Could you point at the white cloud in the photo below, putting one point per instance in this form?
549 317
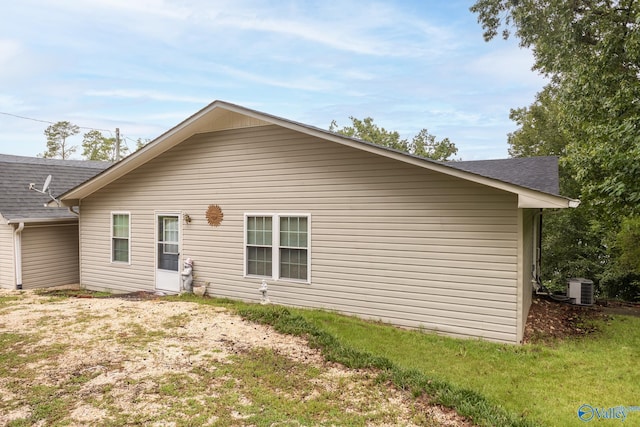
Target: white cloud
144 65
9 50
143 9
11 103
145 94
506 65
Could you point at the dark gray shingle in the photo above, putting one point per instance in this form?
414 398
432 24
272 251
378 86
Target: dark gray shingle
17 172
536 173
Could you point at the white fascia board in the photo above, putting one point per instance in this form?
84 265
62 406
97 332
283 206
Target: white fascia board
43 220
542 200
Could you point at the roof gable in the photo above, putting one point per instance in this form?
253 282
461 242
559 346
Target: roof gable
18 203
535 190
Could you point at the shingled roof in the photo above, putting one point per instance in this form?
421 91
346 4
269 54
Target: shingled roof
536 173
18 203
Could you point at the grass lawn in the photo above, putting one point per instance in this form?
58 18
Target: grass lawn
532 384
545 384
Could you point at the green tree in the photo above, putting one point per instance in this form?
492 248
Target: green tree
141 142
98 147
591 52
368 131
622 277
589 114
57 134
423 144
540 131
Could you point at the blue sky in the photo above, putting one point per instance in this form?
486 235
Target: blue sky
145 65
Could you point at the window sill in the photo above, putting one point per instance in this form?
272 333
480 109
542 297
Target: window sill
281 279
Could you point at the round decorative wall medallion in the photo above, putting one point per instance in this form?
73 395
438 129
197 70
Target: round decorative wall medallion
214 215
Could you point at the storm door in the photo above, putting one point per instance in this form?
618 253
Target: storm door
168 252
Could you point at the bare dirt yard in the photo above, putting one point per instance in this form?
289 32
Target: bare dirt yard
118 361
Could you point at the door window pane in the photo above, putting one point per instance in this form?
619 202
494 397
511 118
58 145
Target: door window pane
168 248
170 232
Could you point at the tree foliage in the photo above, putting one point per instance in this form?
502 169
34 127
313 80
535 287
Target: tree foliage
141 142
628 244
423 144
589 115
591 52
540 132
98 147
57 145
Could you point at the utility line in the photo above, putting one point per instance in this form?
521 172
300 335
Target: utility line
26 118
51 123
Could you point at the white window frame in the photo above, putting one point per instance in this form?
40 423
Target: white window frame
275 245
111 217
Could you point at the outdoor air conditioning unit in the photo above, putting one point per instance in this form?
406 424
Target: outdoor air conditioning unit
580 291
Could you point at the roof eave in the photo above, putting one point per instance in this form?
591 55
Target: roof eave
538 200
182 131
42 220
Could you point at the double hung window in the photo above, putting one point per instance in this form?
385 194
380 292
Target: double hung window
277 246
120 237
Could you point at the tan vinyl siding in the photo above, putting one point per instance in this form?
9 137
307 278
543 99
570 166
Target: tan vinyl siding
49 256
390 241
7 260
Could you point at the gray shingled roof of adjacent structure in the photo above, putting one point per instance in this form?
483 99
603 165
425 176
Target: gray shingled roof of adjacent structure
17 202
536 173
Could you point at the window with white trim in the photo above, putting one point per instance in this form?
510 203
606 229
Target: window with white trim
259 245
120 237
277 246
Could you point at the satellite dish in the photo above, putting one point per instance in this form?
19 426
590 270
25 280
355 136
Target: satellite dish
47 182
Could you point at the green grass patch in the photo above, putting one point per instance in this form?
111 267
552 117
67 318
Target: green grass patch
176 321
260 387
71 293
337 347
272 389
494 384
9 298
136 335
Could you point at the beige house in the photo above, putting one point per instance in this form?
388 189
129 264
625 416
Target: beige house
39 244
327 221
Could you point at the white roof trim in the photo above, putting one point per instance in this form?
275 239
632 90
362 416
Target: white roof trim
527 198
68 219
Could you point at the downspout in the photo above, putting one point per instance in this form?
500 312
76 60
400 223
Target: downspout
70 208
17 241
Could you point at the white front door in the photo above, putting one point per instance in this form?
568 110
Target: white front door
168 252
